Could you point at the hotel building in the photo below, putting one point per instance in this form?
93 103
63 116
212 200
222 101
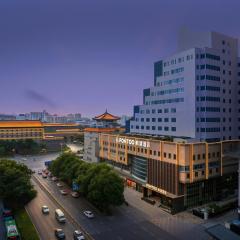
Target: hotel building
196 92
194 103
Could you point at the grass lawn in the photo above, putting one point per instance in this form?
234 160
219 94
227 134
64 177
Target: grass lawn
25 225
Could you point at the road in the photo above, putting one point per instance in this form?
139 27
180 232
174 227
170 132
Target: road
127 222
75 147
119 226
46 224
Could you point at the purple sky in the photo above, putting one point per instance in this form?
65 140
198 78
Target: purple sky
88 55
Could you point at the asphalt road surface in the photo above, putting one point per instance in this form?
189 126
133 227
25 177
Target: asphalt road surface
126 222
119 226
46 223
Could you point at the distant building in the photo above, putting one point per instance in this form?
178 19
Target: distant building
6 117
20 130
44 116
104 123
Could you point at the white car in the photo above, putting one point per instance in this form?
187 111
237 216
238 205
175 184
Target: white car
88 214
63 192
59 184
45 209
77 235
54 179
75 194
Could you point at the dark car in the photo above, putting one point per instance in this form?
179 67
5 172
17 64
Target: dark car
7 213
59 233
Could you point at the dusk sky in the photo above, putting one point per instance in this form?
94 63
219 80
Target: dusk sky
88 55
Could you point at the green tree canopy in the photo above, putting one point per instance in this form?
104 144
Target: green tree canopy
98 181
15 186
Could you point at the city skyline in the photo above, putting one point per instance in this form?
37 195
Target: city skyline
76 60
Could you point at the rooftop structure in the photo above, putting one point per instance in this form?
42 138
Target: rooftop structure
106 117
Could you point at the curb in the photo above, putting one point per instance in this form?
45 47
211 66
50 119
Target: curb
73 221
32 222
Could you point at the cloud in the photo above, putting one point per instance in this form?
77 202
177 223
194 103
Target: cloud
40 98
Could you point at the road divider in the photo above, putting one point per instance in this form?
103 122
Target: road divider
68 215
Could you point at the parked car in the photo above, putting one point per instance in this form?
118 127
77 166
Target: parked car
59 233
63 192
45 209
77 235
75 194
39 172
7 213
44 175
59 184
88 214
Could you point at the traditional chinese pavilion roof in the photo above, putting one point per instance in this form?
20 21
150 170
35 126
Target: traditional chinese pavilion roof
106 117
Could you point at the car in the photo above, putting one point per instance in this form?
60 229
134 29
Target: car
24 159
59 184
77 235
39 172
88 214
7 213
59 233
44 175
75 194
63 192
54 179
45 209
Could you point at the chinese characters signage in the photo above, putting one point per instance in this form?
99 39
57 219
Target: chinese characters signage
133 142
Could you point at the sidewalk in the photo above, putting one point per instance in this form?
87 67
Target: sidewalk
181 225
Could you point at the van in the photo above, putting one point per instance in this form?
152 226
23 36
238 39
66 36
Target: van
60 216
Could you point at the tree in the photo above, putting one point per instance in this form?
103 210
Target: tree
98 182
106 189
15 186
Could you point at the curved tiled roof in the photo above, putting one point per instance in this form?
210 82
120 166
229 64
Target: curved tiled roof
20 124
106 116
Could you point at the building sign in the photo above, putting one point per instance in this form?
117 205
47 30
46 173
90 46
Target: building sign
133 142
156 189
